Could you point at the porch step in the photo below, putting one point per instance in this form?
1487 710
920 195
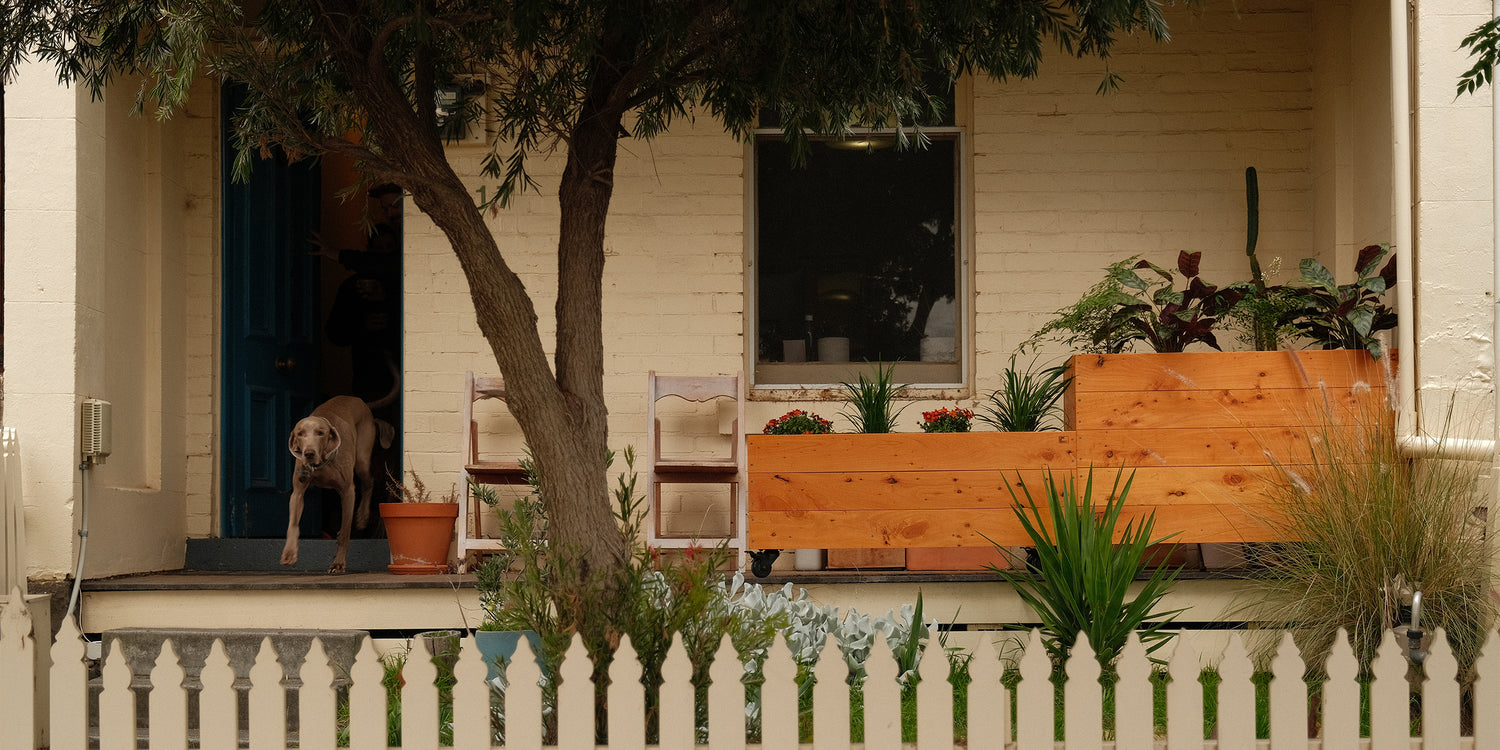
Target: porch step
142 645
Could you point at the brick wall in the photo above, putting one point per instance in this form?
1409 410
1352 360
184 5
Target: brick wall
1065 181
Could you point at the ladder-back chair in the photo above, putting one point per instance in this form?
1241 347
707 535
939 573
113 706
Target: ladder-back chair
696 469
480 470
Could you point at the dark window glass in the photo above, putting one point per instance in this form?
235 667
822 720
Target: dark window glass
857 252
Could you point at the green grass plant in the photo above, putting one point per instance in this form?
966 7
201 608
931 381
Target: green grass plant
1027 400
1085 568
870 403
1371 526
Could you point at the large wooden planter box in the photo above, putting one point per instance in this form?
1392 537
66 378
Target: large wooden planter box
1200 430
1203 431
896 490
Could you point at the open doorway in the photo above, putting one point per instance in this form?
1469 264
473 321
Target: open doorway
311 310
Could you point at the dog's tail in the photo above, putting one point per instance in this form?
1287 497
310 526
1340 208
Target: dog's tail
389 398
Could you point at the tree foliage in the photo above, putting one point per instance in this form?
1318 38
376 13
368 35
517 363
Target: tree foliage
361 78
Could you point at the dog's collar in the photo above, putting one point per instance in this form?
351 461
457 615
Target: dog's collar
314 467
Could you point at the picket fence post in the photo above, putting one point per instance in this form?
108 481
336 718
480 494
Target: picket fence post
17 687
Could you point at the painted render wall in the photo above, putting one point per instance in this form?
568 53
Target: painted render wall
103 209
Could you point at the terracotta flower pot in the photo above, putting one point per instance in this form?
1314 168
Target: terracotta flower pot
419 535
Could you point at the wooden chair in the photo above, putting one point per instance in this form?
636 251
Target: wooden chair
481 471
662 469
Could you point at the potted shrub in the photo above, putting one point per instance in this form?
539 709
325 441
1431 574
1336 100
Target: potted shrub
420 527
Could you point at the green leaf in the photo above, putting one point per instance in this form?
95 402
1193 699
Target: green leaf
1361 318
1317 274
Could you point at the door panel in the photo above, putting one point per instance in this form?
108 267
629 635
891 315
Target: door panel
270 342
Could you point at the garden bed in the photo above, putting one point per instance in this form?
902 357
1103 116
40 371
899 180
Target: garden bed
1202 431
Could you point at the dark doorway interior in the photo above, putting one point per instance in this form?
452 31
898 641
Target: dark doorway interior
311 295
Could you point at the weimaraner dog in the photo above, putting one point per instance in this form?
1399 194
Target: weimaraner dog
332 448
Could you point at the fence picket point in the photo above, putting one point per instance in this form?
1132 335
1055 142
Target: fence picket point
367 722
1184 697
116 702
267 699
778 697
1133 702
1236 697
1390 697
167 706
831 698
989 701
523 698
316 701
627 700
17 663
726 698
575 698
419 699
1083 726
882 698
1440 696
471 698
1288 695
1487 692
69 685
1034 699
218 700
1340 721
934 698
678 724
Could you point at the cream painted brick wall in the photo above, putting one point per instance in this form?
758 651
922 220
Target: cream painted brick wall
1068 181
1454 221
1065 182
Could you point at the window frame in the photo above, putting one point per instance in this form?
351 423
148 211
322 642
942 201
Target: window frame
763 377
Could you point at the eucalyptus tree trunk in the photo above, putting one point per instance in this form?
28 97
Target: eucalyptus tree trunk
562 415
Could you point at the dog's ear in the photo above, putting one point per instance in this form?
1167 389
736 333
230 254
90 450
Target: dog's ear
333 440
291 441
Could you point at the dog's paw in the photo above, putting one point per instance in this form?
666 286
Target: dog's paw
289 556
337 567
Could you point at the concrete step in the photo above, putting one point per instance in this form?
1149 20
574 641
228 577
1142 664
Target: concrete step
142 645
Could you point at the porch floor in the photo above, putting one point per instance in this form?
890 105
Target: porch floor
391 605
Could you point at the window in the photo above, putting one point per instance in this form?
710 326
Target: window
857 259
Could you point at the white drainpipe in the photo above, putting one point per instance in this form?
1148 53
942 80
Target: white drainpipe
1408 428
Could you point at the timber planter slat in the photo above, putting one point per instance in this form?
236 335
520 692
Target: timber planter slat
1204 433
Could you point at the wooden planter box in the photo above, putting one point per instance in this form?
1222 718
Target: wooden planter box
895 491
1202 431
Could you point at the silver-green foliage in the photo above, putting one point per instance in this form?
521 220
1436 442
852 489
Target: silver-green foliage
1085 568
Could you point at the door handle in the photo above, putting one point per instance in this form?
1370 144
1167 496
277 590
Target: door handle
285 365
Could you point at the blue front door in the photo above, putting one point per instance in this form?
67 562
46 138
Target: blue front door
271 337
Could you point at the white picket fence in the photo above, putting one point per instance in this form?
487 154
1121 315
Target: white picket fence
989 717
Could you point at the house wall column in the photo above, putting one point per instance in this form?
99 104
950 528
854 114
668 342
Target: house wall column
54 152
1453 194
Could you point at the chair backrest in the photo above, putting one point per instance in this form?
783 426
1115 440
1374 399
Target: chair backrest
478 389
697 389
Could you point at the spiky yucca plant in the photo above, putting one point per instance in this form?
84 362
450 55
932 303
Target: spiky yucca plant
1086 569
1371 526
871 404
